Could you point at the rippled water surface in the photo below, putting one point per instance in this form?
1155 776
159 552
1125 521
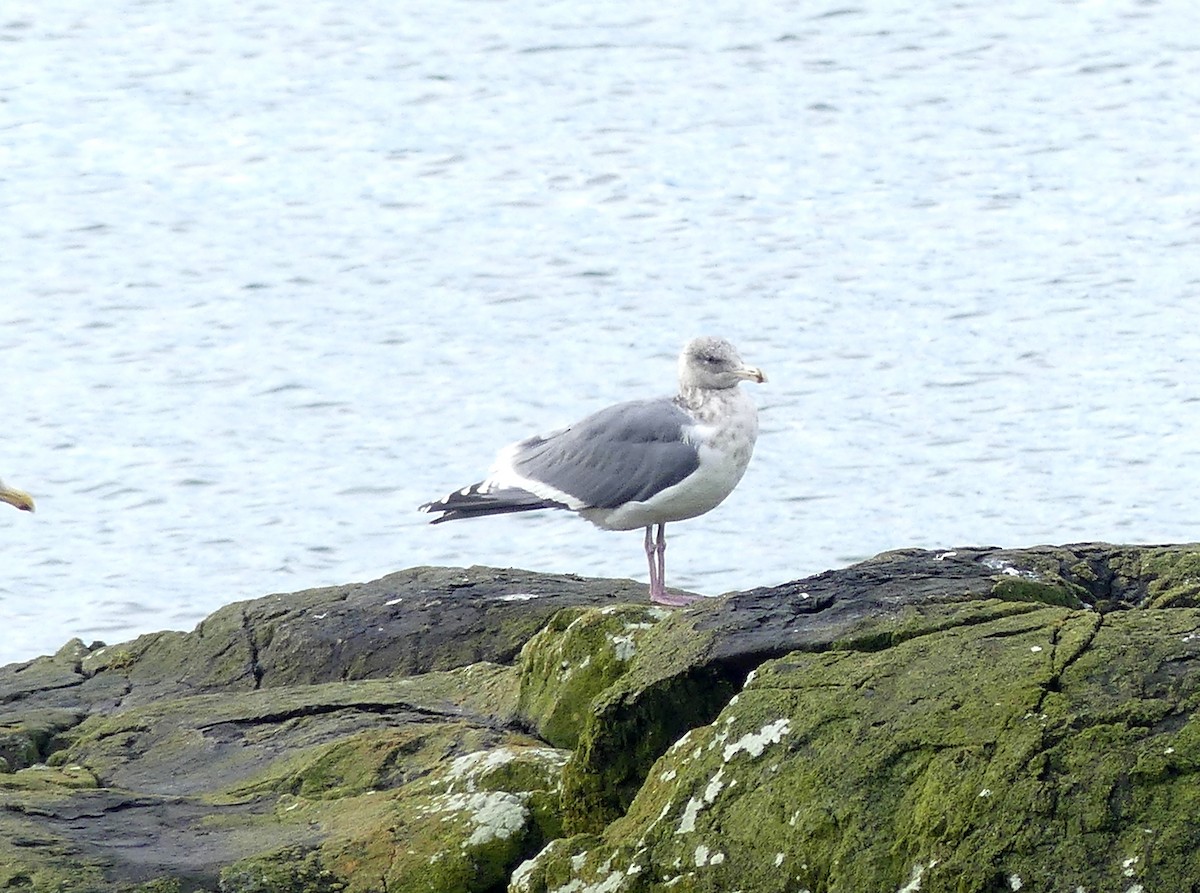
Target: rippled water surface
274 274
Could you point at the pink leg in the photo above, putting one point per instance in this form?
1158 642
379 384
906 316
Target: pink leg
655 579
661 551
656 554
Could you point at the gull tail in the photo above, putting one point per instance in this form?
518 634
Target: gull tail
478 500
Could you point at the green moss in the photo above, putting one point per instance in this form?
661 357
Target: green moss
50 778
293 720
1084 572
160 885
665 691
1020 589
120 659
18 749
399 811
53 867
1173 577
368 761
545 810
578 654
557 865
286 871
411 840
514 766
1051 746
911 621
32 738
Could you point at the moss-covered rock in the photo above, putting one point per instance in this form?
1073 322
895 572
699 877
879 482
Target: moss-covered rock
461 825
302 787
966 720
1047 750
575 657
285 871
665 693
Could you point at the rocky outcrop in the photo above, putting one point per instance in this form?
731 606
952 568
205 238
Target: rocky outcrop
970 720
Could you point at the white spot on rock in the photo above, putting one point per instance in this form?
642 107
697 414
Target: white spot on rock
470 766
519 882
494 814
687 823
623 646
681 742
914 879
608 885
756 742
714 786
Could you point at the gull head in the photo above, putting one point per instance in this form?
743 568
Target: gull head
715 364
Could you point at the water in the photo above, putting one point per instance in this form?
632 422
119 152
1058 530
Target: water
274 274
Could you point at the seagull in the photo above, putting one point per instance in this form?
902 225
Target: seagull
17 498
638 464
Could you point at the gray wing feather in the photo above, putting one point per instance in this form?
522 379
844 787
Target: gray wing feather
626 453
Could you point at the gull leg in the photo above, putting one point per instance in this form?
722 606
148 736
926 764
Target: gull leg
661 551
655 578
658 569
